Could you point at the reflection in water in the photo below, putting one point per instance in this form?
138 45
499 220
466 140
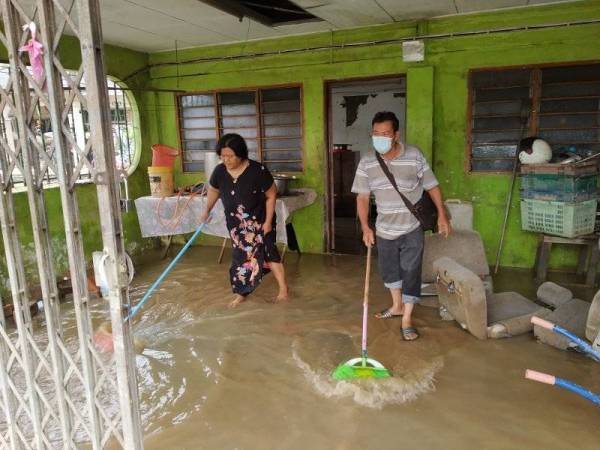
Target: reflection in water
258 377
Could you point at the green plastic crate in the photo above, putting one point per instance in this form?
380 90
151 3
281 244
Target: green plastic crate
558 218
565 184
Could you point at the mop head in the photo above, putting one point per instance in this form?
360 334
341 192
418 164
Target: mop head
360 368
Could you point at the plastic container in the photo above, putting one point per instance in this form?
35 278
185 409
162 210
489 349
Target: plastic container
211 161
558 196
163 155
101 282
558 218
584 168
461 214
161 181
98 259
585 184
556 187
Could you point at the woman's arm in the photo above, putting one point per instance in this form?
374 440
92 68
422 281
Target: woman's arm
211 198
271 198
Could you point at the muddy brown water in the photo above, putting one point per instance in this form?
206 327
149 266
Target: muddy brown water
258 376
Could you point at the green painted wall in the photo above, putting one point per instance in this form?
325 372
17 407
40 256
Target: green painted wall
120 64
419 109
437 97
452 59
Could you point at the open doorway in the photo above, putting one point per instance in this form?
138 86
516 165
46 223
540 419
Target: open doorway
351 107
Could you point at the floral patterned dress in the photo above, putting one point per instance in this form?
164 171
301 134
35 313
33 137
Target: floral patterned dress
244 202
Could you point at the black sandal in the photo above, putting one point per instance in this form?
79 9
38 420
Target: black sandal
387 314
406 332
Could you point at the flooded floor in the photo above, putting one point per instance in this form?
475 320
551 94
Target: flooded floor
258 377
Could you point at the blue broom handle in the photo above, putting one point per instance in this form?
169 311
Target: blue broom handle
561 382
163 275
583 345
580 342
570 386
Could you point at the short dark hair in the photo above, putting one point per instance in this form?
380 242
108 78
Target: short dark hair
235 142
386 116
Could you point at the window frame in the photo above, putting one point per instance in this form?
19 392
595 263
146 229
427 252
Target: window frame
84 178
535 86
136 124
258 98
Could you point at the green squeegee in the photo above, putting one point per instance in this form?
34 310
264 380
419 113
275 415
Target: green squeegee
363 366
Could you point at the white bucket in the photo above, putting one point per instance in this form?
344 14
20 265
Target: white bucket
211 160
461 214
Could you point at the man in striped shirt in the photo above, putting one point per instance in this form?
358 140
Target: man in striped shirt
399 233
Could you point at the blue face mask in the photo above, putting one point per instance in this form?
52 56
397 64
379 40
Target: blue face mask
382 144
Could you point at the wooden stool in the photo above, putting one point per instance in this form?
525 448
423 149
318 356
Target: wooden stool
589 255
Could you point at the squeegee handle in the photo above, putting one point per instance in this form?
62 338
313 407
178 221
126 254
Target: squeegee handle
366 303
367 277
163 275
584 346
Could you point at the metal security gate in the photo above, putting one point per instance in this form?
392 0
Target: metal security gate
56 390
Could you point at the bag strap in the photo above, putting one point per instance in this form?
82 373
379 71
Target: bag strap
388 174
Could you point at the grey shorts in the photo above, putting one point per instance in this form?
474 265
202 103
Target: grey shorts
400 262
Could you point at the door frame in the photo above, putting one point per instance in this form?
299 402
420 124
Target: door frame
328 85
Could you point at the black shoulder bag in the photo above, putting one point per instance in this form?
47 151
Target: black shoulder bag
424 210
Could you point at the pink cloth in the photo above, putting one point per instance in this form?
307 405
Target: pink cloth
36 54
104 341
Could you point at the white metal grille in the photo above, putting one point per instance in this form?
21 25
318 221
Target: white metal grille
56 390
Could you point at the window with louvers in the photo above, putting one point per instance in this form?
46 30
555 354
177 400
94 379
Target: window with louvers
198 129
561 104
281 123
270 120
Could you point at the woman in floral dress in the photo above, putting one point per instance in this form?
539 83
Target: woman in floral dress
248 193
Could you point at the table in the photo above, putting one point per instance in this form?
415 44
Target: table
180 215
589 256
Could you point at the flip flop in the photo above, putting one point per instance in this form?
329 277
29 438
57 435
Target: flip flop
406 332
387 314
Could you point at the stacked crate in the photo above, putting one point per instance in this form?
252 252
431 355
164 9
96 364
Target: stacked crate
559 199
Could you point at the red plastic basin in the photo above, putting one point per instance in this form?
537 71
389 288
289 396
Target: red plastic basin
163 155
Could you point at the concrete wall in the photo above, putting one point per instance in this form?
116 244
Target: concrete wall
436 97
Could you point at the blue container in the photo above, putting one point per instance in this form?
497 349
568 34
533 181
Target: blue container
560 196
552 183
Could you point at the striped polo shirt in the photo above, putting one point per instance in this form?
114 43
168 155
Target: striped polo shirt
412 174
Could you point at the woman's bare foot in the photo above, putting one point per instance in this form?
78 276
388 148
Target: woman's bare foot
282 296
236 301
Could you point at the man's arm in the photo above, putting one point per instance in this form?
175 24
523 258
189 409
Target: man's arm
443 222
